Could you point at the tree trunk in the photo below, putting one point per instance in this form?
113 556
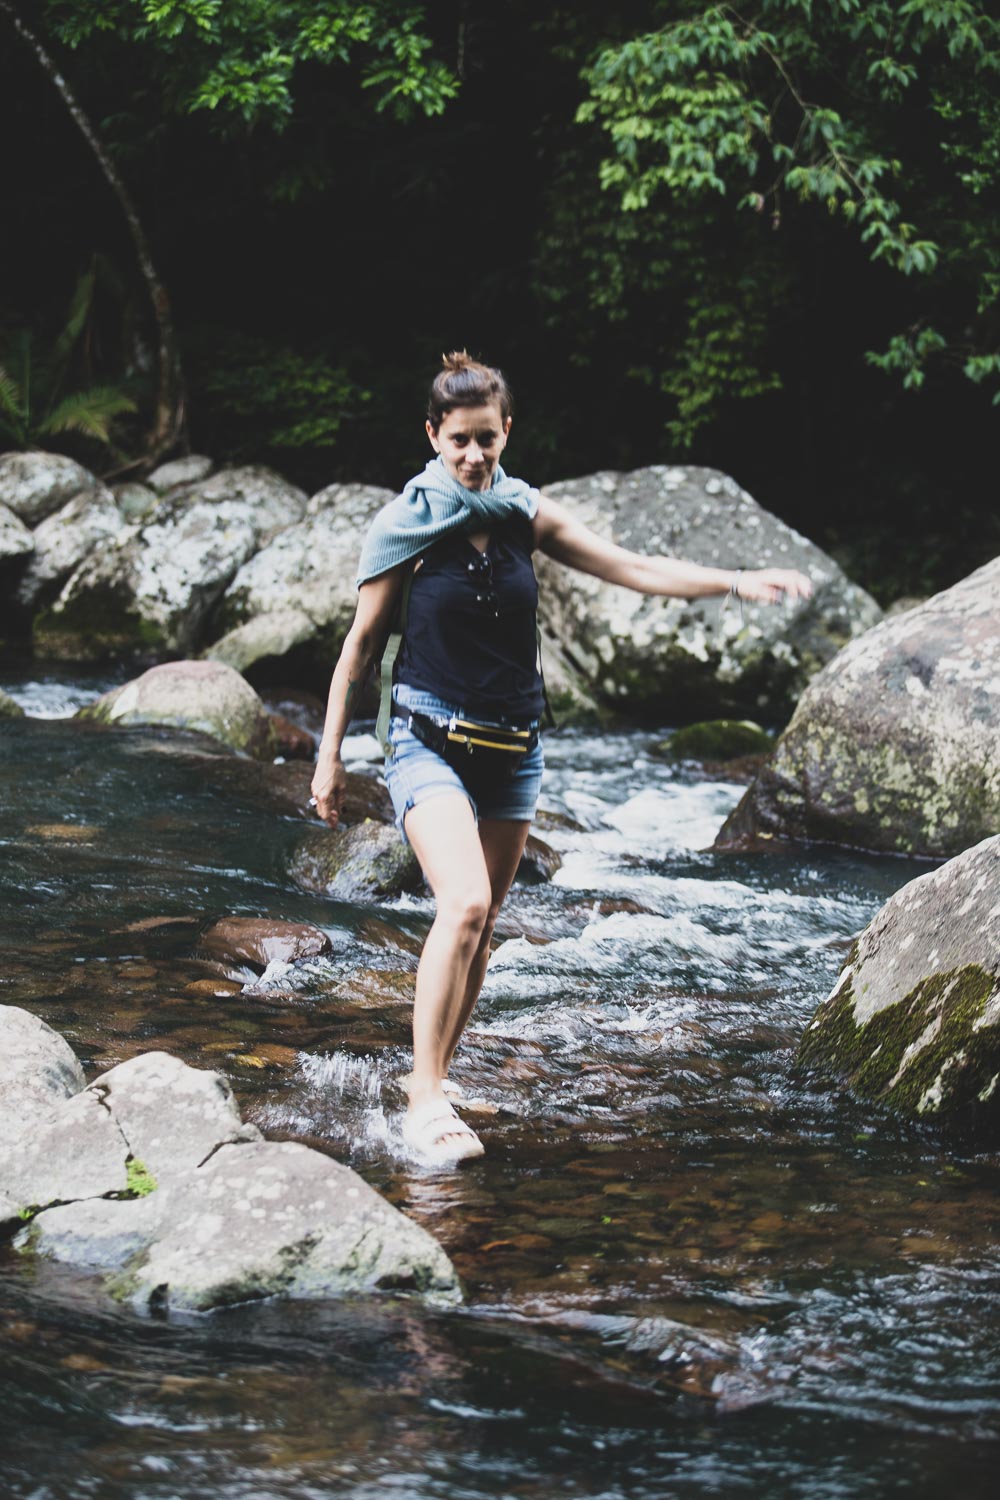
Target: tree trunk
169 422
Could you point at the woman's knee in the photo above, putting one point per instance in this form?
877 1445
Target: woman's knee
467 910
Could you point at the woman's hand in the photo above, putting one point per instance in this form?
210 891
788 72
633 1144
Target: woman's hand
329 787
771 585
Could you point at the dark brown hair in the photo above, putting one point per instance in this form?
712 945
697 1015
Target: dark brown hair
463 381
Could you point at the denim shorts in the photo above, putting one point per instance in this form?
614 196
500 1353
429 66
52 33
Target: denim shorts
415 774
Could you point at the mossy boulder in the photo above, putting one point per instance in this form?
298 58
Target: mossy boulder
366 862
198 695
9 709
61 542
896 744
34 483
717 740
914 1020
656 659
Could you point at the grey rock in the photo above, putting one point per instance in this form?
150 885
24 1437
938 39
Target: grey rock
75 1151
16 541
208 697
95 1233
278 1219
172 1116
896 744
34 484
673 659
180 471
152 590
9 707
914 1019
307 573
37 1070
367 862
136 502
65 538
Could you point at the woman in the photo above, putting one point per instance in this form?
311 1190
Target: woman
455 550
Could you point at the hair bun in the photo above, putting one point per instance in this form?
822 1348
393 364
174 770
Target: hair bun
458 359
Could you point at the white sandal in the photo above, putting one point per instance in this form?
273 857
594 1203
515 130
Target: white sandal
435 1133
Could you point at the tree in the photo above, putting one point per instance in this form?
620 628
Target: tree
236 59
882 116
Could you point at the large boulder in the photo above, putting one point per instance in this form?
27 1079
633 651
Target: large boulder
896 744
38 1070
16 542
672 659
65 538
34 484
150 592
914 1020
150 1177
199 695
301 587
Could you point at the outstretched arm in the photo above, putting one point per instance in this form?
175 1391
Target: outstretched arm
377 603
567 540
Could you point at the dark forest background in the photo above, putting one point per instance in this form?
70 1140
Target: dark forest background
764 240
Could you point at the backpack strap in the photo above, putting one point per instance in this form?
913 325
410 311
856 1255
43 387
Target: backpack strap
548 718
388 667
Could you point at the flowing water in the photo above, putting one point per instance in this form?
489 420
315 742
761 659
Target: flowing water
689 1271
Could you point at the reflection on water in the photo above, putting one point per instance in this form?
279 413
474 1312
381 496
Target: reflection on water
688 1271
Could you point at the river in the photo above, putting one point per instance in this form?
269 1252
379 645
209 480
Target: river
689 1270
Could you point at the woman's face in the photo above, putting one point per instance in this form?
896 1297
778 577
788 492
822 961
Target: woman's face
470 441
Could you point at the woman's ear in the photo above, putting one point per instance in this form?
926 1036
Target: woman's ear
433 437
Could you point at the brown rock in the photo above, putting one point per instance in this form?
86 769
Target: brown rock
258 941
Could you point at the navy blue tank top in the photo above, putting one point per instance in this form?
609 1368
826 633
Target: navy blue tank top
470 633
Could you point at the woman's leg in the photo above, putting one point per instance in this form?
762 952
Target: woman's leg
502 842
444 837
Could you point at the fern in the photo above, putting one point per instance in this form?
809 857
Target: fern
88 412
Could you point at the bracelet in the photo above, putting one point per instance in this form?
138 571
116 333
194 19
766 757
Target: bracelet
734 587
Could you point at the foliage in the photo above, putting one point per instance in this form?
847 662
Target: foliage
238 58
880 115
37 395
264 398
140 1181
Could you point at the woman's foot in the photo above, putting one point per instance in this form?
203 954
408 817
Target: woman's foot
435 1134
448 1085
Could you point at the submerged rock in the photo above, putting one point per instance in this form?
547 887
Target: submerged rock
34 484
197 695
672 658
914 1020
259 941
366 862
717 740
896 744
151 1177
9 707
151 591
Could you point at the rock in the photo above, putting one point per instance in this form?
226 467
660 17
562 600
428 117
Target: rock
180 471
659 658
16 541
38 1069
150 592
196 695
75 1151
366 862
65 538
100 1234
896 744
136 502
306 574
172 1116
717 740
539 862
914 1019
290 741
34 484
278 1219
9 708
258 941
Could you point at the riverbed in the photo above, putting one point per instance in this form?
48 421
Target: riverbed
689 1270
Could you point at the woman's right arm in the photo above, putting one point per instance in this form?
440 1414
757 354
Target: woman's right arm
377 604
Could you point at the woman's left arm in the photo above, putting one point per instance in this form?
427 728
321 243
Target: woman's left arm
566 540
